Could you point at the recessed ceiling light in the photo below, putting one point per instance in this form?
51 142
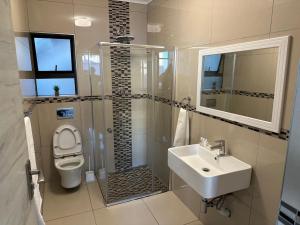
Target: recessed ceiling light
82 21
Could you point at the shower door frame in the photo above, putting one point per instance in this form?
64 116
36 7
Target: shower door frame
137 46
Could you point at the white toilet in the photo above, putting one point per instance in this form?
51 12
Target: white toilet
68 158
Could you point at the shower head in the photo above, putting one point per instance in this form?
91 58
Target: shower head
124 38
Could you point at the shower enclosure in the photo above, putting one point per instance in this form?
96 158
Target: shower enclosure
132 87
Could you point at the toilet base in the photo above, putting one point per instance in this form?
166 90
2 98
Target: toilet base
70 179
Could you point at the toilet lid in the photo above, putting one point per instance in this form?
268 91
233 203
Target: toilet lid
66 141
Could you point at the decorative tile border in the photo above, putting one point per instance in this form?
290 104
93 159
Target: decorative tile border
284 134
239 92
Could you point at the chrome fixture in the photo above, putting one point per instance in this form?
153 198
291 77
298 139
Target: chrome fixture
221 147
217 202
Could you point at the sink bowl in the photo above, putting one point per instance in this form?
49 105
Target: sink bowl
208 176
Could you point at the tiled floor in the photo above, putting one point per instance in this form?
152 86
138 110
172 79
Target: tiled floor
85 207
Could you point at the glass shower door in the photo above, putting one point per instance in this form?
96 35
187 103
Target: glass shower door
132 164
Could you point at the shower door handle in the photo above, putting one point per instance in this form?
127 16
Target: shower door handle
109 130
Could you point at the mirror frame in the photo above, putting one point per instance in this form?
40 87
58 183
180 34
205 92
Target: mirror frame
282 43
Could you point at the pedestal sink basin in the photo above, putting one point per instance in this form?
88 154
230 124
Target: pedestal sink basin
209 176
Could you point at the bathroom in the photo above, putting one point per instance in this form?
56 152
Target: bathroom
134 81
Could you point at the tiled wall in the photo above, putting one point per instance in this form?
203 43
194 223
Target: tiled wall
119 24
219 22
57 16
15 206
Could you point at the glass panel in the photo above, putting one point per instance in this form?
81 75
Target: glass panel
53 54
23 53
27 87
45 87
130 160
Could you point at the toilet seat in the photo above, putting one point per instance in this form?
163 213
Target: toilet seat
66 141
69 163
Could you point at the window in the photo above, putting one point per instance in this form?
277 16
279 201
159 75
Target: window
54 63
164 62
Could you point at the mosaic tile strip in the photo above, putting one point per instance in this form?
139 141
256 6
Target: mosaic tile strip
284 134
121 85
239 92
130 183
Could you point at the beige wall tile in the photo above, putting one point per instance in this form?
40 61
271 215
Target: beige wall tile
101 3
268 179
286 14
19 15
176 21
50 17
291 75
135 7
187 75
188 196
60 1
138 27
48 121
88 37
233 20
83 74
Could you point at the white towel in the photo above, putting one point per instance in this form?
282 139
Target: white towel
31 154
182 133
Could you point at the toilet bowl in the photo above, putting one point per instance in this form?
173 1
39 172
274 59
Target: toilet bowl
68 158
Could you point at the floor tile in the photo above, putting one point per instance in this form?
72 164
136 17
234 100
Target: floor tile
79 219
131 213
59 202
95 195
169 210
195 223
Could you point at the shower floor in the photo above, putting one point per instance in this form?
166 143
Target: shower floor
132 183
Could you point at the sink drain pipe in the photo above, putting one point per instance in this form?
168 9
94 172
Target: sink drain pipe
218 203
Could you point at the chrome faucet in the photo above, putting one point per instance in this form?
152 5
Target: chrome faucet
221 146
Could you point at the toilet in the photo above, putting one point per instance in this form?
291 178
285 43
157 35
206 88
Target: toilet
67 152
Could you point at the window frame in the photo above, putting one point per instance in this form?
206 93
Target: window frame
54 74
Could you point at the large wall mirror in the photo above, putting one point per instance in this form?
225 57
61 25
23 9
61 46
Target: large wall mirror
244 82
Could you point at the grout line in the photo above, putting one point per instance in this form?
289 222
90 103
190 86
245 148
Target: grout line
85 211
75 214
271 22
93 210
150 210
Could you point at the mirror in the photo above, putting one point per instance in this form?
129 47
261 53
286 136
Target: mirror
244 82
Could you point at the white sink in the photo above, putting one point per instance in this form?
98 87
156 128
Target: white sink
208 176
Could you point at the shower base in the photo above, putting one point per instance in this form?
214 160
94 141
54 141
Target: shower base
134 183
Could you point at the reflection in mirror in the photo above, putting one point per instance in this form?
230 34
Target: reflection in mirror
241 82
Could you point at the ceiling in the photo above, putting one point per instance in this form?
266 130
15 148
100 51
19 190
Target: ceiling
138 1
